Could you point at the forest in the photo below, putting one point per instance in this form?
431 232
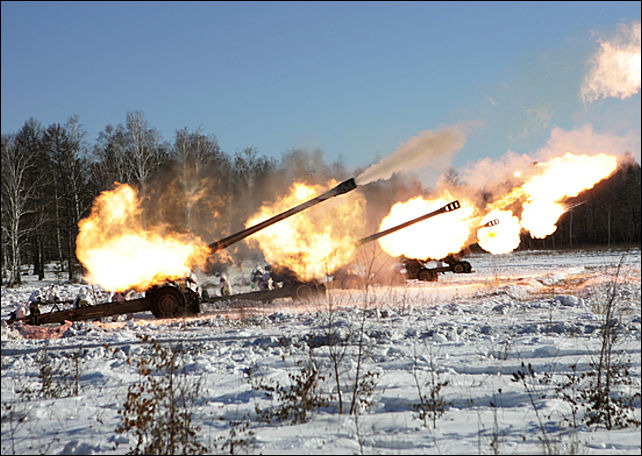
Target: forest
51 175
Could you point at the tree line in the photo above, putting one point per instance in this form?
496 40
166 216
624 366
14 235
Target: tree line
51 175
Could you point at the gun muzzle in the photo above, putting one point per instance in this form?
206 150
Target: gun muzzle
490 223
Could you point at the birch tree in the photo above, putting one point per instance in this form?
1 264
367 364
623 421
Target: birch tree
144 153
109 163
29 138
65 149
17 191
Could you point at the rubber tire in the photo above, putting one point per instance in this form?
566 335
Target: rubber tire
302 292
459 268
467 267
167 302
427 275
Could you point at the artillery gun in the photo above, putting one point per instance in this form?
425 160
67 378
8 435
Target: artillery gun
419 269
299 290
349 279
179 298
414 268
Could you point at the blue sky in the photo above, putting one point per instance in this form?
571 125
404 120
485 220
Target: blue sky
354 79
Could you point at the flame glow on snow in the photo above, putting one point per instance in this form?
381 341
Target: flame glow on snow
315 241
435 237
120 254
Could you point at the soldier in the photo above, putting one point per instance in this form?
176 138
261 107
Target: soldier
118 296
33 303
83 299
256 275
52 294
191 283
35 296
225 287
266 279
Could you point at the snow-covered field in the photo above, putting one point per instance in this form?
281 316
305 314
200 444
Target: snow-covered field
468 333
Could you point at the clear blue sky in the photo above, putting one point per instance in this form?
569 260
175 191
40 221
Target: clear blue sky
354 79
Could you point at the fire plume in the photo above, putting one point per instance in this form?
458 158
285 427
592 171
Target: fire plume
502 237
550 183
313 242
539 192
432 238
120 254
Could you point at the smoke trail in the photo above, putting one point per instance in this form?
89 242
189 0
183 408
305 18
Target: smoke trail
615 68
420 151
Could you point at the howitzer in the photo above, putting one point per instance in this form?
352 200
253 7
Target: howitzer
176 298
347 278
417 269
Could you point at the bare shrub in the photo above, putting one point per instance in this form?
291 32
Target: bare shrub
432 404
296 400
15 414
608 403
337 350
239 437
58 376
529 379
496 442
349 356
158 408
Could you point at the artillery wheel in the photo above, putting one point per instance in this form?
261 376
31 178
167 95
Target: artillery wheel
459 267
428 276
467 267
167 302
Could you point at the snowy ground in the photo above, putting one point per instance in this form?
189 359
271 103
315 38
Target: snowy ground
472 331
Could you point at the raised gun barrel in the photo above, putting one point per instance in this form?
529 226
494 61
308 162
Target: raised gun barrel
343 187
447 208
490 223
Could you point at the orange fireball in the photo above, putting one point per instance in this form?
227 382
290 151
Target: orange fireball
313 242
431 238
120 254
559 178
502 237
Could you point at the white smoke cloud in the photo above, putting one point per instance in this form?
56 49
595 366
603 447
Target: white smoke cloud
488 173
585 140
615 68
434 148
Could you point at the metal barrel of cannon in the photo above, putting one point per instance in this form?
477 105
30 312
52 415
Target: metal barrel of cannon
373 237
343 187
